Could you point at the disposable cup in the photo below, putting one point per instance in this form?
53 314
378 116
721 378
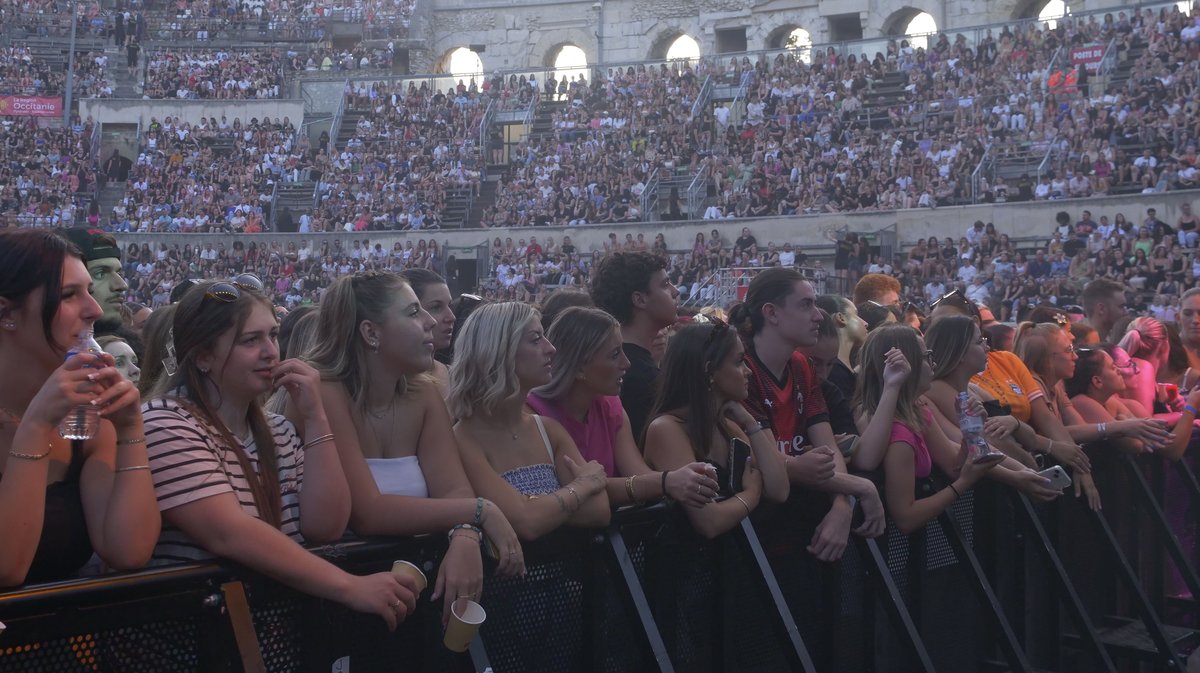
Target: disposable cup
465 618
406 569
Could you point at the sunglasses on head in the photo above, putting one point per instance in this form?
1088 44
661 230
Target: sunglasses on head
717 332
957 298
228 292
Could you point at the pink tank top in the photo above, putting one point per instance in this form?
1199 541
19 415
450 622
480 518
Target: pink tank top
922 463
595 438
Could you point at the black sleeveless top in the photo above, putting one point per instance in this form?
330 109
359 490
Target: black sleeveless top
65 546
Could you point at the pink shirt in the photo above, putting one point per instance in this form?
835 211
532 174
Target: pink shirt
922 463
594 438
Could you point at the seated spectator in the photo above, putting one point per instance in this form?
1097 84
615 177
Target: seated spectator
214 502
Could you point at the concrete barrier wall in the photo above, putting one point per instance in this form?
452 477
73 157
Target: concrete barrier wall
138 111
1018 220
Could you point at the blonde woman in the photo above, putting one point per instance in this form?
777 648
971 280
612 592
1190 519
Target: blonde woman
374 346
527 464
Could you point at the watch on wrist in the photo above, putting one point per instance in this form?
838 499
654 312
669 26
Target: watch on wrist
754 427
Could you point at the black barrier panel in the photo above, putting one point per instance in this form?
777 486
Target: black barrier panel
827 600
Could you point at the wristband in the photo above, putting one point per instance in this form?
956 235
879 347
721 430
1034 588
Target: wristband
753 428
1191 410
1102 428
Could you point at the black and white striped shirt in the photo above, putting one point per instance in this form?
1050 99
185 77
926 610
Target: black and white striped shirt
190 463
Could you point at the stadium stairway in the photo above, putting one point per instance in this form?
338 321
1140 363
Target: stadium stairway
110 195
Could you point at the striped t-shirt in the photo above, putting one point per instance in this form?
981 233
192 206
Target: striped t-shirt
189 463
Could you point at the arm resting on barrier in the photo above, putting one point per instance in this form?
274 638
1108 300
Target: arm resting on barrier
907 511
668 447
220 525
534 517
645 484
122 513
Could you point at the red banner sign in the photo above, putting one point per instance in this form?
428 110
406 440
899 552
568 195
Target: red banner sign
30 106
1090 55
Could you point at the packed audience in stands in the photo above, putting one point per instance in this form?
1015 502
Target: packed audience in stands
214 176
48 173
214 73
23 74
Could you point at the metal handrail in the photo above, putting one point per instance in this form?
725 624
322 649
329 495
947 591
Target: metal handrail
697 191
334 130
703 98
649 197
984 161
1108 62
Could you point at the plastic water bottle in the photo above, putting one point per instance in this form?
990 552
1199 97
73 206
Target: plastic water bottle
83 422
972 429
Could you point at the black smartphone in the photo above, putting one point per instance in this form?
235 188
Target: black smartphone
739 453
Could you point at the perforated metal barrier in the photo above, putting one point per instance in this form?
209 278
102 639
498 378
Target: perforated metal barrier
648 594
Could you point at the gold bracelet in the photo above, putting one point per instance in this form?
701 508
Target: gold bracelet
131 468
319 440
744 503
629 489
131 442
32 456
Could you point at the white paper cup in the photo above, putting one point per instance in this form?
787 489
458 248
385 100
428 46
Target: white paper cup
465 618
406 569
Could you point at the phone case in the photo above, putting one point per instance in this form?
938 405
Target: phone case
1059 479
739 453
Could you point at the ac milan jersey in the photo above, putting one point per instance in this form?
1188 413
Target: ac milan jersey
790 406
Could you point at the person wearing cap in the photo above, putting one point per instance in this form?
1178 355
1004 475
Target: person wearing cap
103 259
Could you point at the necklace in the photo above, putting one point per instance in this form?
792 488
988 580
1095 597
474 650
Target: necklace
391 426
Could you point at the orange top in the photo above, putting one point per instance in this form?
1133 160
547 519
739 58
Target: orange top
1008 380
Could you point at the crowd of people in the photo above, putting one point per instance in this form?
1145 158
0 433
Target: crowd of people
214 73
411 150
213 176
600 397
47 173
23 74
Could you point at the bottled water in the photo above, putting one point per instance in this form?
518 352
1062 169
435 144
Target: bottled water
971 425
83 422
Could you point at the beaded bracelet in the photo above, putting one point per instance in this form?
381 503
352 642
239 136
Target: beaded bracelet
467 527
131 442
478 512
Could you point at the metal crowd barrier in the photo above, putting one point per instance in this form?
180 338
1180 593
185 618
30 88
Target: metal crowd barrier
996 583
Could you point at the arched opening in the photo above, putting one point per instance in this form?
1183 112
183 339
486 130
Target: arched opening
1052 12
918 28
570 63
684 47
461 62
799 42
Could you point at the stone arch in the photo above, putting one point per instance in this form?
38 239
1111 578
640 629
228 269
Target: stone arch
898 20
664 40
777 39
1028 9
550 42
442 63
